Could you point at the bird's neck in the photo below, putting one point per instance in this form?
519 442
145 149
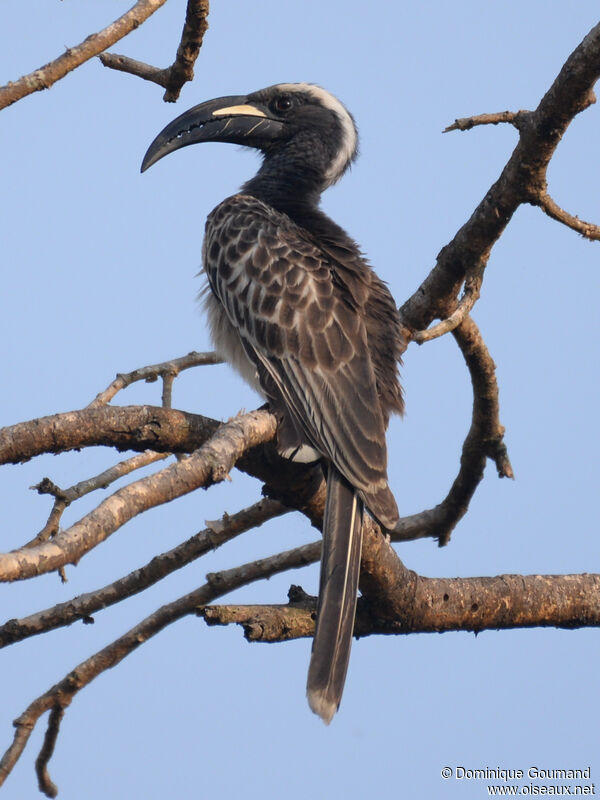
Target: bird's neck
288 183
301 204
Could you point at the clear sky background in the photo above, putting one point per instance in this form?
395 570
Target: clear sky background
98 276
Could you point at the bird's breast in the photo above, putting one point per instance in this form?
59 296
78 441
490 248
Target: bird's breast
227 342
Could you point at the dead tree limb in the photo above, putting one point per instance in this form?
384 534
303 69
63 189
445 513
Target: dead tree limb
523 180
484 440
437 605
182 69
60 696
82 607
210 464
124 427
153 372
73 57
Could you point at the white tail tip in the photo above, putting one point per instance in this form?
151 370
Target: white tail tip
321 706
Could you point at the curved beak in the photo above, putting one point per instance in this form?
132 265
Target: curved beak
226 119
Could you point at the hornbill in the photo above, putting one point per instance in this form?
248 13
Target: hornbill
297 310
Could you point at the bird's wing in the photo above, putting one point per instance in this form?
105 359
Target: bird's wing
302 329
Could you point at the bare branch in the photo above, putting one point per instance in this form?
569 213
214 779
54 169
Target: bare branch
210 464
274 623
112 474
466 123
61 694
50 529
229 579
464 306
182 69
546 203
486 430
523 180
485 439
167 390
587 229
438 605
82 607
152 372
73 57
123 427
41 763
64 497
293 484
395 600
132 66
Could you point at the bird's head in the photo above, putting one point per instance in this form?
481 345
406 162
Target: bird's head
300 128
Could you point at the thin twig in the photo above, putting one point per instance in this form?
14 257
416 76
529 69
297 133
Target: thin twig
82 607
132 66
466 123
587 229
470 297
52 525
73 57
41 763
486 429
182 69
167 390
540 132
61 694
484 440
64 497
523 180
210 464
152 372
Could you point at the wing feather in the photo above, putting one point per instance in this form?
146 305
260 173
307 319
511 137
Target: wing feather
307 336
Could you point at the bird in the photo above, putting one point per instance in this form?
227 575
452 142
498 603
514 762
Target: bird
298 311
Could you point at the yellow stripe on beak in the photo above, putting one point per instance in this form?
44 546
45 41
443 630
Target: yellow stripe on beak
233 111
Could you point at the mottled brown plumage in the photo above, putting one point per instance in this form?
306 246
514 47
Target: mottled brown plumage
306 322
297 310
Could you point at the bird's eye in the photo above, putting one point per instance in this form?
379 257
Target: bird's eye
282 103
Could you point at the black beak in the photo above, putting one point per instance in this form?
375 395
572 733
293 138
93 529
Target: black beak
226 119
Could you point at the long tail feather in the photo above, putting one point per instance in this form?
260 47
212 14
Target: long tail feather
338 589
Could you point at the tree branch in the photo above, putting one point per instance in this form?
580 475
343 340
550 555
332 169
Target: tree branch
64 497
470 297
210 464
466 123
45 783
523 180
182 69
124 427
82 607
73 57
485 439
438 605
587 229
61 694
295 485
132 66
151 373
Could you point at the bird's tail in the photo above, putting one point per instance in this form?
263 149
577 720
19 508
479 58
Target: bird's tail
338 589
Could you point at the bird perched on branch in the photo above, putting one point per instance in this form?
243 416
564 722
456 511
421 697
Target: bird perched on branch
298 311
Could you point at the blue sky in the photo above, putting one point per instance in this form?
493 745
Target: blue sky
99 276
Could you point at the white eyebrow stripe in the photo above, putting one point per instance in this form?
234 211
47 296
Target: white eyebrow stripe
349 134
